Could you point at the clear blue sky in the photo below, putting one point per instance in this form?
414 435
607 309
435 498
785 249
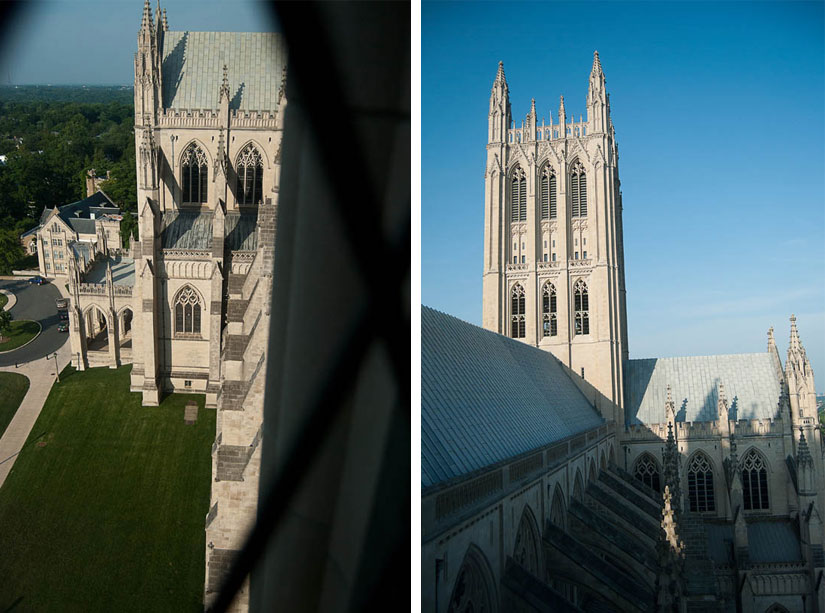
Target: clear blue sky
718 109
92 42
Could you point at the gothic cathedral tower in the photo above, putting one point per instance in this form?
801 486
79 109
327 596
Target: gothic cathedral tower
553 252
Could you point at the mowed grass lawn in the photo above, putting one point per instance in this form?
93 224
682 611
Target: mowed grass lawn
3 301
109 514
13 388
22 332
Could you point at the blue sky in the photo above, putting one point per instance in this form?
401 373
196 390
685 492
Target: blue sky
93 42
718 109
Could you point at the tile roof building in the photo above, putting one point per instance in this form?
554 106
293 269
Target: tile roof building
188 304
560 475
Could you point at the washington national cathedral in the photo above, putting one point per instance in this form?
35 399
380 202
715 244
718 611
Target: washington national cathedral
188 304
560 475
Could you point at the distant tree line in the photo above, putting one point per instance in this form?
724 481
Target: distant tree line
50 144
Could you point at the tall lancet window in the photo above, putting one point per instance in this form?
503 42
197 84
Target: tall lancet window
194 175
647 471
581 304
517 312
549 322
187 312
518 195
578 191
754 481
548 193
250 169
700 484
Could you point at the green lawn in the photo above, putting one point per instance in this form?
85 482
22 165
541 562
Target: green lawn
3 301
109 514
22 331
12 389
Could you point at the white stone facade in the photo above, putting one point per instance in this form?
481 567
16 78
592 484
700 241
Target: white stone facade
761 472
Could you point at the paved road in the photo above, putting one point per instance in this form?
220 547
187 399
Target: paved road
35 302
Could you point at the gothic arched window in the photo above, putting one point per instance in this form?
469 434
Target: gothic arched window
647 471
517 312
250 169
578 191
518 195
754 481
472 592
526 550
194 175
187 312
581 303
700 484
549 323
548 193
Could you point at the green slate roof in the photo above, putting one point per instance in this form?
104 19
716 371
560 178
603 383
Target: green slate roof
750 379
486 398
193 69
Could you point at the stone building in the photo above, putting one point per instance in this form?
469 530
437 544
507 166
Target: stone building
188 306
557 474
82 229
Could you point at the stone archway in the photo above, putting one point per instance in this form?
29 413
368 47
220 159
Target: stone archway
527 551
96 326
124 321
473 590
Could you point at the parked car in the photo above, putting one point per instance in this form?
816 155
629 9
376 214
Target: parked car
62 303
64 315
38 280
63 326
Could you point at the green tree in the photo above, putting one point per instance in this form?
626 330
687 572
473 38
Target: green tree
5 325
10 251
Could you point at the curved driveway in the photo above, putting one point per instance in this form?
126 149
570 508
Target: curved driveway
37 303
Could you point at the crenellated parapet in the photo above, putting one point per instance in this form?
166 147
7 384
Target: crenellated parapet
211 118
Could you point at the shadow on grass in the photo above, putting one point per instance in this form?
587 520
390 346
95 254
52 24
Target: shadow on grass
28 443
13 605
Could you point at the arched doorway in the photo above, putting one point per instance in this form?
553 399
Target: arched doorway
97 329
125 327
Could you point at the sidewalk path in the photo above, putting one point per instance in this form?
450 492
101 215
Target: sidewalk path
41 377
12 299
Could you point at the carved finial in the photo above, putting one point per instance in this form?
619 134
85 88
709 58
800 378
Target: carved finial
803 452
597 64
224 85
794 344
146 22
533 106
500 76
670 407
562 112
165 23
771 339
722 405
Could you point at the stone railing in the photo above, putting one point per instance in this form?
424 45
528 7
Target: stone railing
122 290
518 267
442 501
187 254
572 263
548 265
210 118
91 289
546 132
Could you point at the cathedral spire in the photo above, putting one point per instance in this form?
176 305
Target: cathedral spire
771 340
146 22
598 107
165 23
722 404
500 118
670 407
562 112
795 345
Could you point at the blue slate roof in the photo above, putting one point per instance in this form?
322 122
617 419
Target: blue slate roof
487 398
192 69
187 230
123 271
78 214
750 379
768 541
773 541
240 233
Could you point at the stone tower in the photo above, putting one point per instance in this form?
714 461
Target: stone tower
553 252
